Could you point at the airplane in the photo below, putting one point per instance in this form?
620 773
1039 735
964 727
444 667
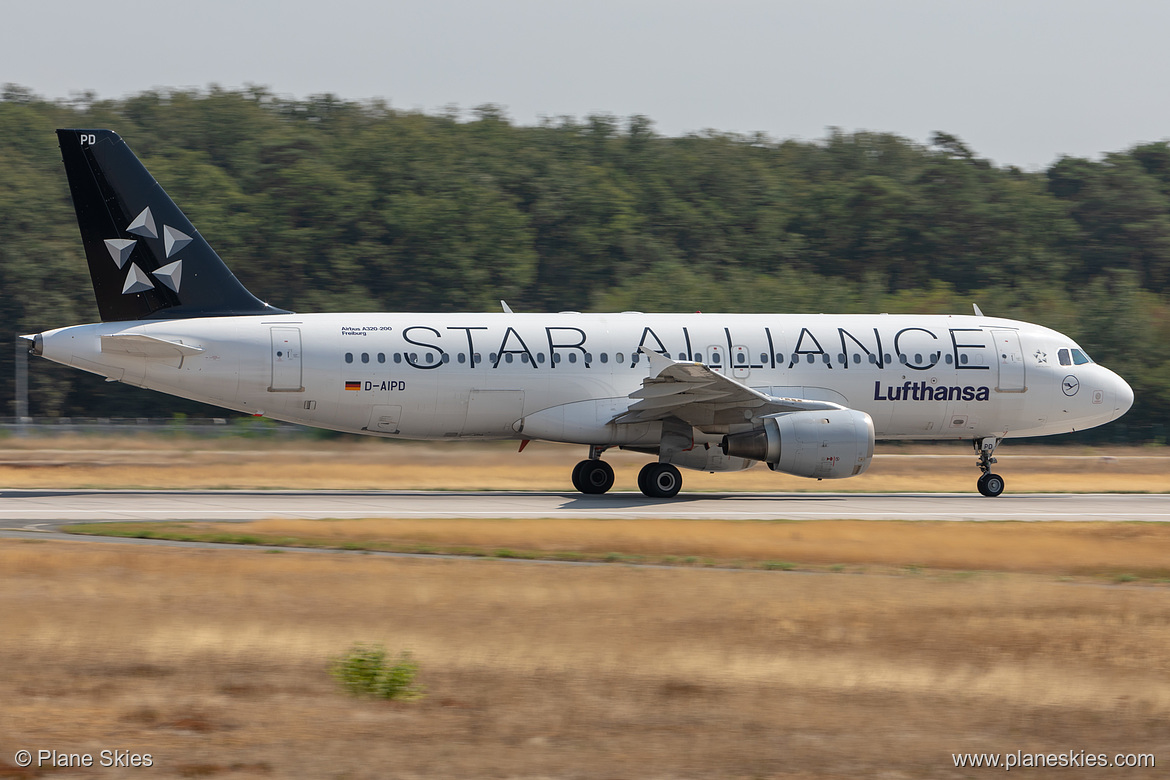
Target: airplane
806 394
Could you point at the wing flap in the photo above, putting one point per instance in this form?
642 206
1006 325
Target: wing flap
694 393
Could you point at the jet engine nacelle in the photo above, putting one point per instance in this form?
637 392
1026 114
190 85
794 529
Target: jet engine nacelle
824 445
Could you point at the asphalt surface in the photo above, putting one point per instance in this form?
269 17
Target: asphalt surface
46 510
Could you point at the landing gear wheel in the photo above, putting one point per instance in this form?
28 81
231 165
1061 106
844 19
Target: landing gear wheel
593 476
990 485
659 480
577 476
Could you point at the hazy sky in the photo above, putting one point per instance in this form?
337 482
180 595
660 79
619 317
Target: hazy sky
1021 81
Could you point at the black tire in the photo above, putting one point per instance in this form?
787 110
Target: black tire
577 483
660 480
643 478
990 485
595 476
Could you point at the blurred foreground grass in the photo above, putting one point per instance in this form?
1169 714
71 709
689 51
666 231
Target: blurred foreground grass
216 663
1121 551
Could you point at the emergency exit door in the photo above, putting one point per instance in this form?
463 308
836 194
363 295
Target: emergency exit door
286 361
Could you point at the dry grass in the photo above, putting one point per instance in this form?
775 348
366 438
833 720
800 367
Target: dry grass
1137 550
177 462
214 662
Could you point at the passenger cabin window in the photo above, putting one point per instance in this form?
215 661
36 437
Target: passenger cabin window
365 357
604 357
348 357
381 357
1064 358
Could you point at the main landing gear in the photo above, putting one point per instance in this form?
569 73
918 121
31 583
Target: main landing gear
659 480
990 485
594 476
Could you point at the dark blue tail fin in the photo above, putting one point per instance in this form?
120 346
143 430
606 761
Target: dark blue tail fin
146 260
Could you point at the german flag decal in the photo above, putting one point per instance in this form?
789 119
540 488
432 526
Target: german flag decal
353 385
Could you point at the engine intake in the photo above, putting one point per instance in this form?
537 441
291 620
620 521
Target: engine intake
831 444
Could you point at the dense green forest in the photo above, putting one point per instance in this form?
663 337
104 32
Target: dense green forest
324 204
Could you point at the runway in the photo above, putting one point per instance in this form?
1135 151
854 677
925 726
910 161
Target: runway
27 511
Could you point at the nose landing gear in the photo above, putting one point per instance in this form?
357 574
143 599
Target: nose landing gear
990 485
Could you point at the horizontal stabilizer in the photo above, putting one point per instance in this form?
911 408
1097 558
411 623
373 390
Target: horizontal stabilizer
147 346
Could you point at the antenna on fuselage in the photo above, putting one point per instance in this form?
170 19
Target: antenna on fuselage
977 312
507 308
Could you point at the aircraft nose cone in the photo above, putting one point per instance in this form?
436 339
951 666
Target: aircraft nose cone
1124 397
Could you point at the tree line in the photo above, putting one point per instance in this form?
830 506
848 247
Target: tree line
330 205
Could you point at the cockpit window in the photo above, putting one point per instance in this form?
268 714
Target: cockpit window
1065 360
1080 358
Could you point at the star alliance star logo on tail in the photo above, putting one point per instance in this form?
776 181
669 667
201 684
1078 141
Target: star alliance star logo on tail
137 280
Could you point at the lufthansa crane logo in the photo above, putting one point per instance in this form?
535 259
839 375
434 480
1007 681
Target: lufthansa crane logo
1070 386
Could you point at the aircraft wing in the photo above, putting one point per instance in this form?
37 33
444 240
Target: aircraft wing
694 393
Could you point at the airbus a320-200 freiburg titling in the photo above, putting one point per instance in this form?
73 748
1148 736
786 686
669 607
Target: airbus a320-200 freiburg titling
805 394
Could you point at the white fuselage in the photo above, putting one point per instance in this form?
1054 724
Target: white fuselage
565 377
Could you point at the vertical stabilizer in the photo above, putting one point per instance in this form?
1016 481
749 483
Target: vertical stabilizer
146 260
